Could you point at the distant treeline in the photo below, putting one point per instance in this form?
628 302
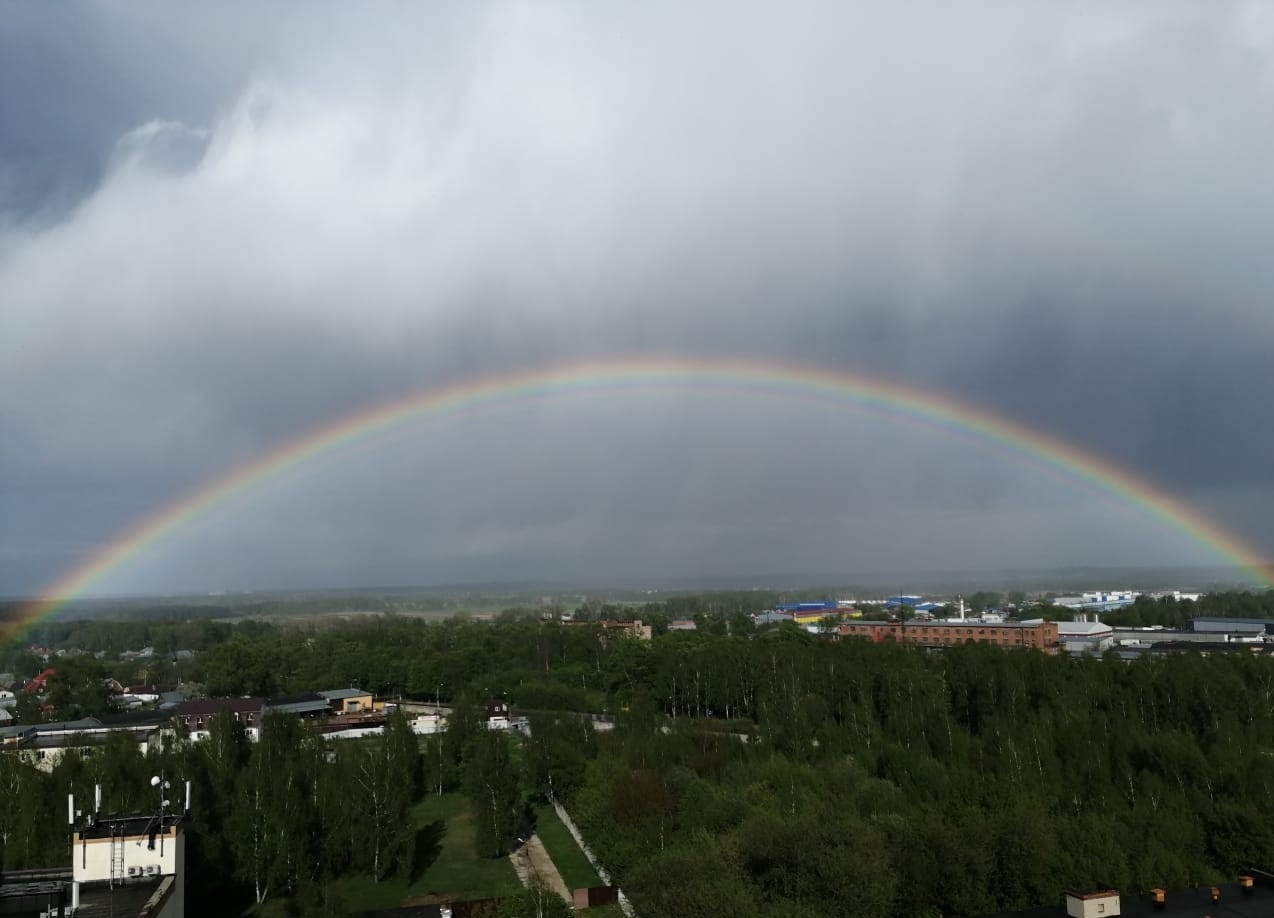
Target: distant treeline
778 773
1172 613
196 626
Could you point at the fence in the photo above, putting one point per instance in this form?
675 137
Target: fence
588 853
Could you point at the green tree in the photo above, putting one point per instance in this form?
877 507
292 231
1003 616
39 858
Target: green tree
491 784
275 807
535 901
385 773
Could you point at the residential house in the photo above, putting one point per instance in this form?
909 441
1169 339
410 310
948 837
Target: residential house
36 686
196 716
140 694
635 628
497 714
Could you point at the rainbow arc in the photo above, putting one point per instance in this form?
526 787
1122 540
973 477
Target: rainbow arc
858 391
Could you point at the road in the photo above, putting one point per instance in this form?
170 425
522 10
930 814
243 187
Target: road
532 862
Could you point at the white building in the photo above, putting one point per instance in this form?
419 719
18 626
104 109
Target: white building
43 745
1098 600
427 724
139 860
1083 636
125 866
1104 903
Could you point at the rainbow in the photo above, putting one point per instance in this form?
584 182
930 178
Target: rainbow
868 393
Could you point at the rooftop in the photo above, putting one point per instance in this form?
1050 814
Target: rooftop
33 897
136 719
206 707
1179 903
944 623
29 897
1084 628
79 740
129 897
128 826
305 703
338 694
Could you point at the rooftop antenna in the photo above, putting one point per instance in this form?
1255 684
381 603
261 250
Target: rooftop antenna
161 786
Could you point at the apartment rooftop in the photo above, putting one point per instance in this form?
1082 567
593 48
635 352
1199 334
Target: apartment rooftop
22 897
128 826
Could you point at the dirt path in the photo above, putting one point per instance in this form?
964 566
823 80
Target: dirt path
532 862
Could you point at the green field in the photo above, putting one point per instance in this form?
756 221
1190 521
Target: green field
570 861
452 870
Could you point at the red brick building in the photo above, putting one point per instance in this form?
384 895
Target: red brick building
1038 634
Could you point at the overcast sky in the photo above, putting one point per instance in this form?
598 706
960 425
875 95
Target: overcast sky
220 227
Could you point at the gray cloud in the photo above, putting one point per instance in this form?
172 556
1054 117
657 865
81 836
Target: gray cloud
219 232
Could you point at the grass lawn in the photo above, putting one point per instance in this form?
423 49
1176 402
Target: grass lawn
605 911
453 871
567 857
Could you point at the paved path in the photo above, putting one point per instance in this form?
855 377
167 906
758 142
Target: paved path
531 861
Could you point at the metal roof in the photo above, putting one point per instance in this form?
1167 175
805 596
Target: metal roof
338 694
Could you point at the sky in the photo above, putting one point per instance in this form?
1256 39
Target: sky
223 228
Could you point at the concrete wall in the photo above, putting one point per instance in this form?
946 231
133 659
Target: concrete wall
567 821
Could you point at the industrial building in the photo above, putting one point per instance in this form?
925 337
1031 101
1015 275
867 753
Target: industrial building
1098 600
1216 624
1083 636
1037 633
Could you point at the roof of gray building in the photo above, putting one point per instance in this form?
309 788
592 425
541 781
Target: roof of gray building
1229 623
305 703
338 694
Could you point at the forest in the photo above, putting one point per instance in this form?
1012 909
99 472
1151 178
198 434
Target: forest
769 772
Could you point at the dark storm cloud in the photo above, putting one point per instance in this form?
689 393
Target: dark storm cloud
217 232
